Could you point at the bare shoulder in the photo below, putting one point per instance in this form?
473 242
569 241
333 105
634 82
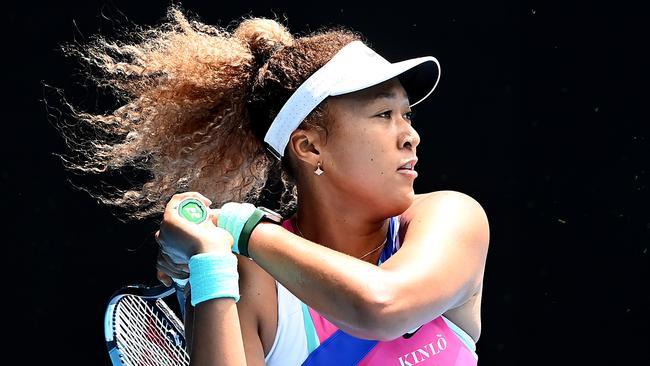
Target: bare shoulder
446 197
452 224
252 276
449 203
258 300
459 219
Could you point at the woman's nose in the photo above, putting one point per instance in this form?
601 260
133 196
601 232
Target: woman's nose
410 139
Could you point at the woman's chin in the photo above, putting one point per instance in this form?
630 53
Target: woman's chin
402 202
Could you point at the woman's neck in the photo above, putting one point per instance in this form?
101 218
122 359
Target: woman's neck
339 225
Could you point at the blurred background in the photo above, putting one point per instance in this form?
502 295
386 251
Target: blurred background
538 116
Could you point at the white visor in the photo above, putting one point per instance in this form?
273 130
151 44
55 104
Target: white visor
353 68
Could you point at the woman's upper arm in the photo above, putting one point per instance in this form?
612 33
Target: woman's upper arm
442 259
257 313
253 308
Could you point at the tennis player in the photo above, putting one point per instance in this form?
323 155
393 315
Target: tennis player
364 271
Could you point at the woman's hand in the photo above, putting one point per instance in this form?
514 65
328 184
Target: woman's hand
179 239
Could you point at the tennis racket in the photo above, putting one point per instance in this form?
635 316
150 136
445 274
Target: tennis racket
141 329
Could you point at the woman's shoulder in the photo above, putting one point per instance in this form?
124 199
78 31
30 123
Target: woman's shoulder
444 203
424 202
253 279
443 194
258 299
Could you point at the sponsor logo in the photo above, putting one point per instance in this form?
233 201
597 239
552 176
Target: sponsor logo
424 352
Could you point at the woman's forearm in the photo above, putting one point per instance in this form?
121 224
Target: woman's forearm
216 334
350 298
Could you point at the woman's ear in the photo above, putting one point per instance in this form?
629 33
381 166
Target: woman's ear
305 145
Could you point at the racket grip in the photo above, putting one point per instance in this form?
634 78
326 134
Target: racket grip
194 211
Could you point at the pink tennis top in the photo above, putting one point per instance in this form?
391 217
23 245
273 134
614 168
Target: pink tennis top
304 337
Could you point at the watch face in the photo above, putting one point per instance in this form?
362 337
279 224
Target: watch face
270 214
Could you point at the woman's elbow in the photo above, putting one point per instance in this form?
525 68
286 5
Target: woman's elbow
378 318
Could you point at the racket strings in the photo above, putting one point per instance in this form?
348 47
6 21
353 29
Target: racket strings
145 336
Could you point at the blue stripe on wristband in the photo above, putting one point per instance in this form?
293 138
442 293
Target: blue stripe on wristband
213 275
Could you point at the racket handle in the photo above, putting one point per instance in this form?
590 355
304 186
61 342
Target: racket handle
194 211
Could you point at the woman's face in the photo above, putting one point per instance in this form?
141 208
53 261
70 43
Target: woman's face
369 142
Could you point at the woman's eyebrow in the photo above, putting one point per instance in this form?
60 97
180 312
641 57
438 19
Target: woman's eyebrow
387 95
384 95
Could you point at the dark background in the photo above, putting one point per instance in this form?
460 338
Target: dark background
538 116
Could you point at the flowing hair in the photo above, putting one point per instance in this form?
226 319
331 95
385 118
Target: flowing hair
193 104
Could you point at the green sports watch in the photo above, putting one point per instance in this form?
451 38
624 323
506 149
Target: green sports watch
261 214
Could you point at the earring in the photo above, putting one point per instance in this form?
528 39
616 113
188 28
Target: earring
318 170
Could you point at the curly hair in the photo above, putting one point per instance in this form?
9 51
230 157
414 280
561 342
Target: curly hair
194 102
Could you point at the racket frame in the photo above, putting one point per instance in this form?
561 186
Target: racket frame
150 293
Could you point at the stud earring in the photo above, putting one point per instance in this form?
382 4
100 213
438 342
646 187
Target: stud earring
318 170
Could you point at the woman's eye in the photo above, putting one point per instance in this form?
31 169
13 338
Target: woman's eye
386 114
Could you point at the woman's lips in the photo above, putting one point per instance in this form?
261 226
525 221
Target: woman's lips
408 172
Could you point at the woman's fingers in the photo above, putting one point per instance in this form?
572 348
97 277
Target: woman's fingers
171 238
166 265
171 271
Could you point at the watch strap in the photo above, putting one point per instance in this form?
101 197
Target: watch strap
253 220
